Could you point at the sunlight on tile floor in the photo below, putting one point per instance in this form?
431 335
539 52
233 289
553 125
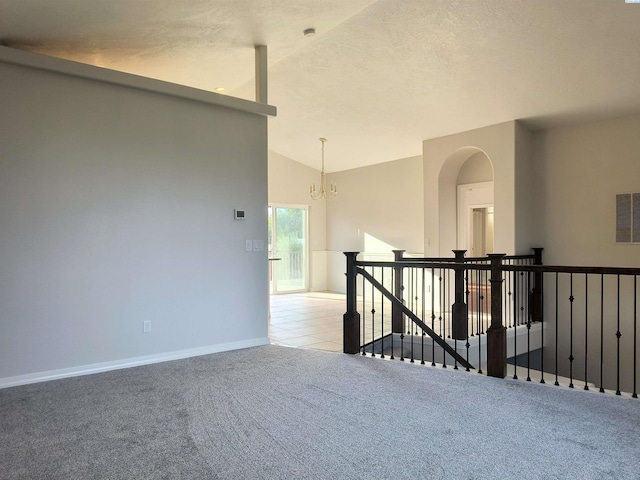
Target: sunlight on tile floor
308 320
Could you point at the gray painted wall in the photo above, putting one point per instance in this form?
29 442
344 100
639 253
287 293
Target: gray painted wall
116 207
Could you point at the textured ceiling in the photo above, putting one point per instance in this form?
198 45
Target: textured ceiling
378 78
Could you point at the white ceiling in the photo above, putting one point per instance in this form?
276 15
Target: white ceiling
379 76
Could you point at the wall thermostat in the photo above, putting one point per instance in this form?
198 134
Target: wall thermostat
238 214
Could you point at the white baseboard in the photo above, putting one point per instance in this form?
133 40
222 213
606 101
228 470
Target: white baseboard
128 362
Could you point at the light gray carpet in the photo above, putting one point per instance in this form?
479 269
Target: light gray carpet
279 413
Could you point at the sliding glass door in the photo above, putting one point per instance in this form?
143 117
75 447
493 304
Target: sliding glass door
288 243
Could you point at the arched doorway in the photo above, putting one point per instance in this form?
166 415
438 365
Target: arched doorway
466 203
475 209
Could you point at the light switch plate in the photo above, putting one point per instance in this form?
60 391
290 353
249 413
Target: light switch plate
248 246
258 245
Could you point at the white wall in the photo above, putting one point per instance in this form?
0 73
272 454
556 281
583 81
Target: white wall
578 171
289 183
378 208
116 207
525 196
476 169
443 158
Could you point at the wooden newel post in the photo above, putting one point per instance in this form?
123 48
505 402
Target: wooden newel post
536 292
497 332
397 319
459 311
351 319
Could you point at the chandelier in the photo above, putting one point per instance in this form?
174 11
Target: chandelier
323 192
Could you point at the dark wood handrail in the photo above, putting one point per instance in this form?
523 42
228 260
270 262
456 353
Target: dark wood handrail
519 257
509 268
572 269
404 264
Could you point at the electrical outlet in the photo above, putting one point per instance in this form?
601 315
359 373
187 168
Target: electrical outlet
146 326
258 245
248 245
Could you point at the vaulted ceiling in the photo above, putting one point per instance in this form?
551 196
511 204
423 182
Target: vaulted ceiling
378 77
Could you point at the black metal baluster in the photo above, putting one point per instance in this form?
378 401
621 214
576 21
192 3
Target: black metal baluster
410 296
556 383
469 310
364 318
424 314
411 331
409 300
515 325
467 344
373 315
479 331
433 315
382 315
404 301
481 297
479 354
469 318
416 300
635 337
455 340
466 293
541 286
477 299
441 304
484 297
571 298
403 320
523 295
601 333
618 335
443 314
511 277
586 329
393 334
528 327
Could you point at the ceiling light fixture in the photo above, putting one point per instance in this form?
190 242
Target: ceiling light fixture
323 192
309 32
220 89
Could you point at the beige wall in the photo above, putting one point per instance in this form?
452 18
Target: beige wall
381 202
476 169
578 171
289 183
443 158
378 208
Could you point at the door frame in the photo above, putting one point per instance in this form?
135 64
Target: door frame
470 196
306 262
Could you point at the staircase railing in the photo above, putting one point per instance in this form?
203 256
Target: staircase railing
500 313
428 298
590 316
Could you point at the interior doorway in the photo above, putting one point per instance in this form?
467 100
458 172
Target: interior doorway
287 238
481 227
476 219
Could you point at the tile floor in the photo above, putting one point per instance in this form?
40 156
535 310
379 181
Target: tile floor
308 320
